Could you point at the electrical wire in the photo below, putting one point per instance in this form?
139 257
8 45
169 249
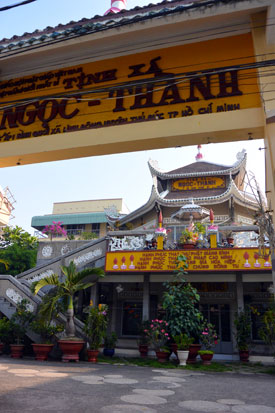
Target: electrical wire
22 3
177 79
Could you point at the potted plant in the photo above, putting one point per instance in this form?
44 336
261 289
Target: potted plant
5 333
183 342
109 344
209 339
73 281
242 334
267 331
19 323
159 338
180 300
95 330
191 235
143 341
47 331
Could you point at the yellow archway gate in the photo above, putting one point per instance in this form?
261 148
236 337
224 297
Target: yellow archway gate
177 77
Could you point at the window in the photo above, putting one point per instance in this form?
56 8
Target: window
96 229
75 229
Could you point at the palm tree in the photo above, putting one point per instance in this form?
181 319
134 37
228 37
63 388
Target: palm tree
66 289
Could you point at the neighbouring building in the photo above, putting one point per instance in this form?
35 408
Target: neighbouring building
6 206
81 216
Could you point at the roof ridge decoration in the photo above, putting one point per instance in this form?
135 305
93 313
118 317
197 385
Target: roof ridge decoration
241 161
85 26
199 155
116 6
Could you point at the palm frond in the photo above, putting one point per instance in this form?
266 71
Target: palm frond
82 286
79 276
48 307
50 280
69 271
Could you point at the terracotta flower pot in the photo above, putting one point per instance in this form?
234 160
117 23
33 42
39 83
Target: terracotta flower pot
162 356
206 358
174 348
244 356
92 355
17 350
70 349
193 352
42 351
143 349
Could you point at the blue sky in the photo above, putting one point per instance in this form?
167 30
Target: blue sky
36 187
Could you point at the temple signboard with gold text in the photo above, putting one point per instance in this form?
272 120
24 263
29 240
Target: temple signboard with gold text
198 183
202 260
176 82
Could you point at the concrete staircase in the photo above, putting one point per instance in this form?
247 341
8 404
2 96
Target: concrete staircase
14 289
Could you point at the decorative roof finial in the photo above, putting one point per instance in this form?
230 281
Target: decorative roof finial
116 6
199 156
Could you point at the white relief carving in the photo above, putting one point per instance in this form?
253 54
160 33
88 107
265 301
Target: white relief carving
65 249
89 256
40 276
17 298
126 243
47 251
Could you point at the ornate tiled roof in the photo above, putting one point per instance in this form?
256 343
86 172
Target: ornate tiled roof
201 168
73 29
198 167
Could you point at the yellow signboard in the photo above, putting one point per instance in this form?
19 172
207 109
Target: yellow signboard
181 81
207 182
201 260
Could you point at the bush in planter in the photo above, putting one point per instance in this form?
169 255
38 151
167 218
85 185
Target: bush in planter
159 338
19 323
192 233
180 302
47 332
95 329
183 342
5 333
267 331
65 290
109 344
242 334
209 339
144 339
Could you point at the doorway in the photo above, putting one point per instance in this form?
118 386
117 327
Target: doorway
219 316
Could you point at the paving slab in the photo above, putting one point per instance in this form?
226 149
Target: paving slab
32 386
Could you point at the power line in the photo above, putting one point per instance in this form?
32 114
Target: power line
22 3
161 83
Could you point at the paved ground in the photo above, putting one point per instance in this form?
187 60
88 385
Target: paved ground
30 386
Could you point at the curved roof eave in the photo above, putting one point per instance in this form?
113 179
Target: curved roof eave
232 191
231 170
141 210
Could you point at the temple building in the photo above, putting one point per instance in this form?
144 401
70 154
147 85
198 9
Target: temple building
202 183
227 277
